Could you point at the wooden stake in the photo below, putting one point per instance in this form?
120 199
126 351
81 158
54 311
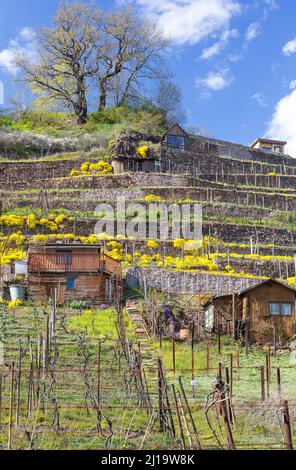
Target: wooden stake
223 407
231 374
192 352
99 374
1 379
17 416
278 376
267 374
11 407
179 418
219 339
233 316
190 414
160 397
237 361
262 384
174 354
208 358
287 425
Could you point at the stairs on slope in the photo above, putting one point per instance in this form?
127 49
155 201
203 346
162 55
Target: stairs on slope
138 322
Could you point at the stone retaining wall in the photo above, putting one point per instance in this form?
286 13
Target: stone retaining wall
180 281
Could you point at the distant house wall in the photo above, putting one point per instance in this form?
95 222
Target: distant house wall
92 288
254 306
127 164
259 300
269 146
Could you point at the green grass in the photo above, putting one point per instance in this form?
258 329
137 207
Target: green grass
77 335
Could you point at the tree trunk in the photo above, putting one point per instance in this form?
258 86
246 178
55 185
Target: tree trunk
103 96
80 107
82 115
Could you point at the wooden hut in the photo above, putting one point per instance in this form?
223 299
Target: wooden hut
258 311
71 272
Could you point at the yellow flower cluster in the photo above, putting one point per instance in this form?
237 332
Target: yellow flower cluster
143 151
32 221
152 244
152 198
14 304
12 220
89 169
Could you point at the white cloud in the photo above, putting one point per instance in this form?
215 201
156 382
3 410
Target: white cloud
216 48
27 33
190 21
290 47
215 81
23 42
259 99
283 123
292 85
253 31
7 61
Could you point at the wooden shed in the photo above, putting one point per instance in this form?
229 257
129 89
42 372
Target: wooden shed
71 272
259 311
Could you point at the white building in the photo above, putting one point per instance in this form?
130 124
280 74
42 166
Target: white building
267 145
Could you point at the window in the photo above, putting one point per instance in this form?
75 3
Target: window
278 149
280 309
175 141
70 282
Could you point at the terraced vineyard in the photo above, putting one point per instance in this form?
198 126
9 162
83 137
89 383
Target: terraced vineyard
83 385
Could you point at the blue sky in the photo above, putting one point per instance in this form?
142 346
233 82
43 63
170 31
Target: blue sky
235 60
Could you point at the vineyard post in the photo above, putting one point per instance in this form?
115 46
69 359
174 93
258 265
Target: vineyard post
192 360
17 416
179 418
267 374
231 374
237 361
287 425
208 357
223 407
185 420
262 383
228 401
11 407
160 396
174 354
219 339
0 398
219 375
233 315
99 373
278 376
190 414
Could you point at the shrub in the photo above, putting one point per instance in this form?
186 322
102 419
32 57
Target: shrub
143 151
152 198
152 244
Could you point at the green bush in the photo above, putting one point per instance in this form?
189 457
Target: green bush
108 116
6 121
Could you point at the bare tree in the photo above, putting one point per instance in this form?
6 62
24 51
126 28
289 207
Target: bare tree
130 54
168 99
67 58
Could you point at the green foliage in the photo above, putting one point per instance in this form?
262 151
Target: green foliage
42 120
6 121
109 116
